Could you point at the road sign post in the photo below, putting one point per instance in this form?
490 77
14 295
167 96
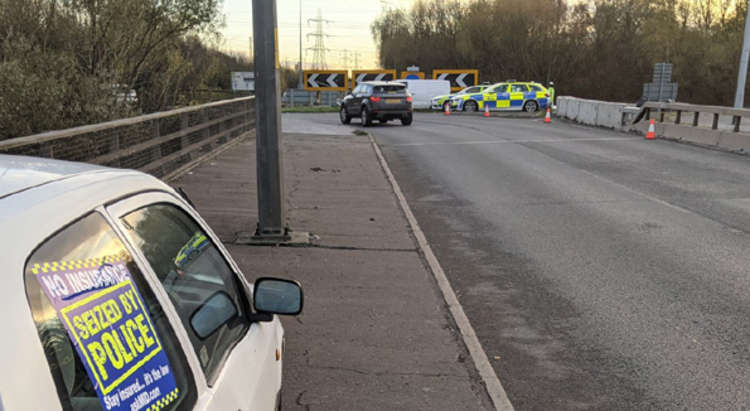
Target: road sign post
271 213
662 88
739 96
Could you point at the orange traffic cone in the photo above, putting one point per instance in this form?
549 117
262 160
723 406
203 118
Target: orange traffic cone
447 109
651 132
547 118
486 110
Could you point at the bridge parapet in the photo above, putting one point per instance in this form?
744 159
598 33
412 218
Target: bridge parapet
714 126
156 143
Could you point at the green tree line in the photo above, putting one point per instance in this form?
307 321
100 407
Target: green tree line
601 49
65 63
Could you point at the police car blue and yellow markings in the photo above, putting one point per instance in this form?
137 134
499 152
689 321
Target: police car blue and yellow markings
114 333
439 101
505 96
195 245
164 402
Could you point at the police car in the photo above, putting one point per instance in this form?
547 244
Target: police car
439 102
506 96
118 296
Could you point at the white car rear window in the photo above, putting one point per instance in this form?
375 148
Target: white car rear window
107 340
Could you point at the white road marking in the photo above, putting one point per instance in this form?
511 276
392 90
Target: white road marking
549 140
494 388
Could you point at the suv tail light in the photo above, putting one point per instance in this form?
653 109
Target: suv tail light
408 99
375 99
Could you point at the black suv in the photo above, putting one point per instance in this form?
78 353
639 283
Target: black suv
377 100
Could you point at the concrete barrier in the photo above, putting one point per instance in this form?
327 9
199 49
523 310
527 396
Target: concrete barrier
610 115
562 107
593 112
574 106
587 113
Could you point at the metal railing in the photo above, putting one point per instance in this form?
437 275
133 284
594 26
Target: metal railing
156 143
301 97
732 116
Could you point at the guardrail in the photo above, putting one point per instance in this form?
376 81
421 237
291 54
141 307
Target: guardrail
301 97
716 112
714 126
156 143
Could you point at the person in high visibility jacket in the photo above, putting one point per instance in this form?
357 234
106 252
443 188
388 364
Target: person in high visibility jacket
551 89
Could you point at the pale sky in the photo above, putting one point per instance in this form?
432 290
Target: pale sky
349 27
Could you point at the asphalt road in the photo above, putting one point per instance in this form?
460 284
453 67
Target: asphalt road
600 270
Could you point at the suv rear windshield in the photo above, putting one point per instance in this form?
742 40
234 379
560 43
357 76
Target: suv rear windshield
394 89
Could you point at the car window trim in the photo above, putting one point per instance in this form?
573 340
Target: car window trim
127 205
161 295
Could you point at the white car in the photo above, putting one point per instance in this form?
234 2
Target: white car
117 296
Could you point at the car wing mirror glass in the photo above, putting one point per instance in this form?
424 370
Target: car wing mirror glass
216 311
277 296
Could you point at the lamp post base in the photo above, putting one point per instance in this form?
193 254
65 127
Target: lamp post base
288 238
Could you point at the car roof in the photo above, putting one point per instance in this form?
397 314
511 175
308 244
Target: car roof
29 185
46 195
19 173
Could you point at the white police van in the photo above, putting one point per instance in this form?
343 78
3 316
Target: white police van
116 295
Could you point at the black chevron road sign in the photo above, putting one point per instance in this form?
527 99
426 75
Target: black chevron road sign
359 76
330 80
459 79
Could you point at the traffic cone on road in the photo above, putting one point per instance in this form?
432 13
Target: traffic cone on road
547 117
486 110
651 132
448 109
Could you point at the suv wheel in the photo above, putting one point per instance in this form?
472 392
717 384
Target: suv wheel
407 119
366 118
531 106
471 105
344 116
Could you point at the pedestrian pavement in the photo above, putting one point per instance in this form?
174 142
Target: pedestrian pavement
375 333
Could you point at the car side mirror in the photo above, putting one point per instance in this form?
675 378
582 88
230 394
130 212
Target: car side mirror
216 311
277 296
